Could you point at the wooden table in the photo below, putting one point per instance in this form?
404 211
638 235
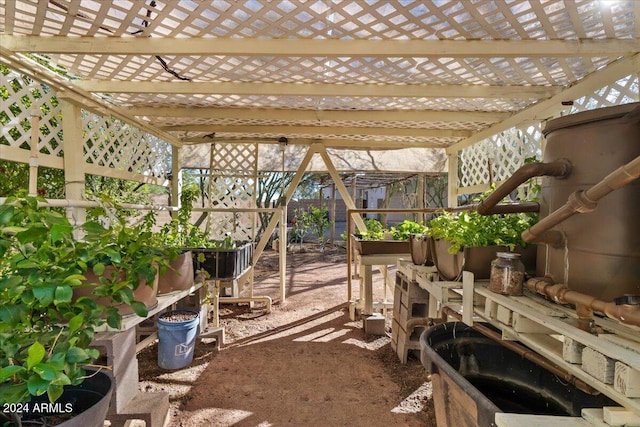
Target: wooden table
366 262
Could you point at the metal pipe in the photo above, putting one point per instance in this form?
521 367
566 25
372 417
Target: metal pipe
526 353
625 313
559 168
504 208
583 201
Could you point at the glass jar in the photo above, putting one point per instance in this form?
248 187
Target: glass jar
507 274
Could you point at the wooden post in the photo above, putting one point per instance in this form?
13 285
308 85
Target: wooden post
420 193
33 160
452 180
332 236
74 163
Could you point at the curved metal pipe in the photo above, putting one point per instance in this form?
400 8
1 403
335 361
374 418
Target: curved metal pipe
627 314
583 201
559 168
526 353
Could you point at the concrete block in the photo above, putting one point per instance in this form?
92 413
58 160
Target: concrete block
119 347
598 365
626 380
125 386
152 408
374 325
619 416
572 351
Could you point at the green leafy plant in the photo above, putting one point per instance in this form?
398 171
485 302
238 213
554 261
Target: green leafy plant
406 228
375 230
469 228
45 331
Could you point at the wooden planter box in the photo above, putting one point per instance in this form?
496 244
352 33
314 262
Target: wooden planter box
224 263
371 247
476 259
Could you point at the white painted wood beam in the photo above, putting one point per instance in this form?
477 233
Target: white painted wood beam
319 48
586 86
319 89
321 115
327 142
321 130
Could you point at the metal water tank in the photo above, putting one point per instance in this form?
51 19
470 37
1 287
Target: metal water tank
601 252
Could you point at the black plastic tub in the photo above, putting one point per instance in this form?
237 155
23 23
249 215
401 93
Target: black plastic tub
474 377
224 263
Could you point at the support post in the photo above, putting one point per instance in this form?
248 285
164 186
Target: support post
33 160
74 163
452 180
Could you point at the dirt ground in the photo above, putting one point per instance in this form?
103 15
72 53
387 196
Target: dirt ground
303 364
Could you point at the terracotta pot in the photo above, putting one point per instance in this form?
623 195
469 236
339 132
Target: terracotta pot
179 275
143 293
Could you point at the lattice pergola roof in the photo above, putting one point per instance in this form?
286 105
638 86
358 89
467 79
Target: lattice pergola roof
353 73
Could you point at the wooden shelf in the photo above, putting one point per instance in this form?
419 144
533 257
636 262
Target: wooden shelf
547 328
164 301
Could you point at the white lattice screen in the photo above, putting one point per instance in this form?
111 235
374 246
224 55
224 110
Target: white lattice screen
496 158
23 97
114 144
108 142
232 185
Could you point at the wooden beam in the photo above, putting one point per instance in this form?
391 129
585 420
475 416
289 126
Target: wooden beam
319 48
321 115
320 130
345 143
318 89
587 86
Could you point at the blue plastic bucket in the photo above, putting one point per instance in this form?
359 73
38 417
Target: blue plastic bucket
177 338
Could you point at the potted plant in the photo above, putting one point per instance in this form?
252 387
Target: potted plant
470 241
44 331
378 240
220 259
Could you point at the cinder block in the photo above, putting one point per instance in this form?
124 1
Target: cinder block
626 380
598 365
419 309
125 386
119 347
619 416
152 408
572 351
374 325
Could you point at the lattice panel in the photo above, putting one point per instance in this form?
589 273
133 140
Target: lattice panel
505 152
624 91
232 185
112 143
23 97
497 158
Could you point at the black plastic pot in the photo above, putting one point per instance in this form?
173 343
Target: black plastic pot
474 377
88 402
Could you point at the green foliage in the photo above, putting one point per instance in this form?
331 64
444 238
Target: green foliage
375 230
45 331
472 229
407 227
